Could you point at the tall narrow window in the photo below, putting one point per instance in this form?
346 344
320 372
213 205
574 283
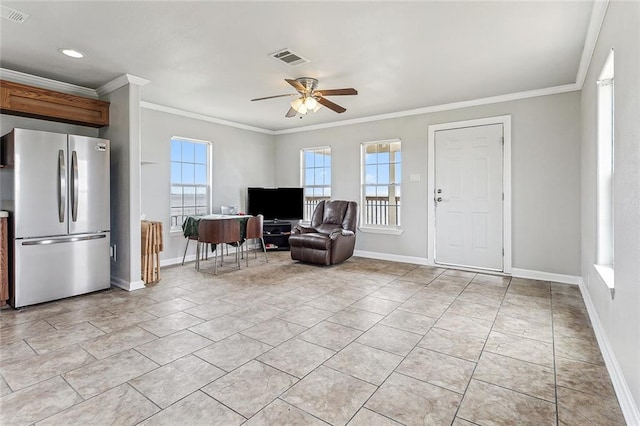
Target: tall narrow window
315 177
605 169
190 179
381 183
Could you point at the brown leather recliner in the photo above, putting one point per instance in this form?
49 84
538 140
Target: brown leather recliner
331 237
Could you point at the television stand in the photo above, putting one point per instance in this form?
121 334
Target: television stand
276 234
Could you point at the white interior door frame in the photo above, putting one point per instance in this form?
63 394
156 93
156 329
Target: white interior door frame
505 120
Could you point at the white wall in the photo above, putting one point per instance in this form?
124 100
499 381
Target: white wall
545 176
620 317
241 158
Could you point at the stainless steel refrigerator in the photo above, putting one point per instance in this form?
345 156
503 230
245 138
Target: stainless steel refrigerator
56 188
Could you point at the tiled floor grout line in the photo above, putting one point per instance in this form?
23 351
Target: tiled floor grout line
403 359
135 389
336 353
200 389
280 398
289 339
483 345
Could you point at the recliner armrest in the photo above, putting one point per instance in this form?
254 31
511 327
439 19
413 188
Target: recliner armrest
340 232
299 229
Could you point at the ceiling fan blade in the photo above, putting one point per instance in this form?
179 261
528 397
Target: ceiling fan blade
296 85
337 92
291 113
332 106
276 96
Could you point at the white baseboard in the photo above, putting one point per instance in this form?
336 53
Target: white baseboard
515 272
545 276
126 285
625 398
177 260
190 258
391 257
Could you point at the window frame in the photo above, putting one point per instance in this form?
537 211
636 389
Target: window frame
310 207
177 227
605 172
388 228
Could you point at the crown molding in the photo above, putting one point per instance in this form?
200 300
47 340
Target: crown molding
426 110
598 13
189 114
119 82
46 83
436 108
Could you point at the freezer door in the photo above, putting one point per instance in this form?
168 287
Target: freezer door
88 185
40 180
53 268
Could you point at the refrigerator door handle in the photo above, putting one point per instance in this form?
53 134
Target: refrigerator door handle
62 185
74 186
48 241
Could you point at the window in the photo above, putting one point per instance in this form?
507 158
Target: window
605 170
315 177
190 179
381 179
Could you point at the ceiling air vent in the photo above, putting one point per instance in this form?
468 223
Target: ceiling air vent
288 57
14 15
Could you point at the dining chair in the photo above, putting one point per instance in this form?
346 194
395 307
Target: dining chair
253 232
186 247
219 231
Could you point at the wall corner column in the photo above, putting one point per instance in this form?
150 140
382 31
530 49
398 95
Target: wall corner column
124 132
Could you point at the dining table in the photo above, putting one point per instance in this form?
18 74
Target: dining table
191 223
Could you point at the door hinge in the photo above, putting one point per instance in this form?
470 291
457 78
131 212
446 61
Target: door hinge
502 252
502 140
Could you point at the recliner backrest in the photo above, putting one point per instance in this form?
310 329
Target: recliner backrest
332 214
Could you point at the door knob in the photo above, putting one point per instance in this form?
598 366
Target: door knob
439 199
439 191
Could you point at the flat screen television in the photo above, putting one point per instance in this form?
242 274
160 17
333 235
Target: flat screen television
275 203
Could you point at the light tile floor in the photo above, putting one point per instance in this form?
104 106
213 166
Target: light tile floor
367 342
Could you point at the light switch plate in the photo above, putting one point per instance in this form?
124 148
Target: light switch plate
414 177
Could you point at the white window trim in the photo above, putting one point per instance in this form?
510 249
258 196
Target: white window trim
505 120
303 168
605 254
388 230
606 273
376 229
177 230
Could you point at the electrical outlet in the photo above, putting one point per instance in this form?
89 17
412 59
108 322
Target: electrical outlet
414 177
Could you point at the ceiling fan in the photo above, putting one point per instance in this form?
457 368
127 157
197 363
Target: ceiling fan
310 98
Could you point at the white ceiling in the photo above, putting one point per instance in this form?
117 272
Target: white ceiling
211 58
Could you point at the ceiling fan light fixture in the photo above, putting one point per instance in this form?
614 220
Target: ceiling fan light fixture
298 105
309 98
310 103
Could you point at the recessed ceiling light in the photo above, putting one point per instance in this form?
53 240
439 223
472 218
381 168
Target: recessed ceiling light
72 53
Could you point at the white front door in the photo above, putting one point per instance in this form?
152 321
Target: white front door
469 196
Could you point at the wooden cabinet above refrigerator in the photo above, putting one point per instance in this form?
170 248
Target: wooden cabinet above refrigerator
28 101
